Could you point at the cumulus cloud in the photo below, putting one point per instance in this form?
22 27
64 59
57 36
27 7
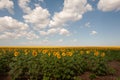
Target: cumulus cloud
6 35
109 5
31 35
94 32
24 5
9 35
39 18
64 31
60 31
50 31
7 4
12 29
73 10
9 24
43 33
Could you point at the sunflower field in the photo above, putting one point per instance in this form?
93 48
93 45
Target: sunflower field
65 63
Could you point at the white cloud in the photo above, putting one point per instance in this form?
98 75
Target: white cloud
16 35
61 31
94 32
109 5
64 31
31 35
9 24
11 35
7 35
72 11
19 34
24 5
39 18
43 33
12 29
7 4
50 31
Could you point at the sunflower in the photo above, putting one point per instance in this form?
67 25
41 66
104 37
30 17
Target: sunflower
63 54
49 54
34 53
16 53
103 54
69 53
26 51
58 56
44 51
87 52
81 52
96 53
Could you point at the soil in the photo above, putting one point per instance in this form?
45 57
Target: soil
116 76
114 64
5 77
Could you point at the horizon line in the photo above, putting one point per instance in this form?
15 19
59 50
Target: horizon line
59 46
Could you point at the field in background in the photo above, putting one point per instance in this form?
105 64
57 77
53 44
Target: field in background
60 63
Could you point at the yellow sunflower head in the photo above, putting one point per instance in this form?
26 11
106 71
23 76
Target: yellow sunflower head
16 53
34 53
103 54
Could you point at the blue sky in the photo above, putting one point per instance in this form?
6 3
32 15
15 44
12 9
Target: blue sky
59 23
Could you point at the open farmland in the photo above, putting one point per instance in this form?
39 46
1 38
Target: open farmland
59 63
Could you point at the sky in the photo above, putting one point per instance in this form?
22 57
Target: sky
59 22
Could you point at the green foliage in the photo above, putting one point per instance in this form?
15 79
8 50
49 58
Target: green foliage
92 76
118 78
4 62
100 67
77 78
113 55
111 70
